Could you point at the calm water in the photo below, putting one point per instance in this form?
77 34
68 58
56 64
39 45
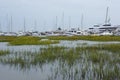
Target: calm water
56 70
5 46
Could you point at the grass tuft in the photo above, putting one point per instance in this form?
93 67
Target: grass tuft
28 40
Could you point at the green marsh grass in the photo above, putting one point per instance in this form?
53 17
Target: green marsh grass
7 38
28 40
4 52
97 54
115 48
90 38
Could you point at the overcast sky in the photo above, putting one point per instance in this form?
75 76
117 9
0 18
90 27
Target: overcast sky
44 12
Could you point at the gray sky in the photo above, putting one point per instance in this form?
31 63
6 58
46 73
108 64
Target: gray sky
45 12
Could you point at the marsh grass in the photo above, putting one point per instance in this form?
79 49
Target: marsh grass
115 48
89 38
7 38
4 52
52 53
96 54
25 40
28 40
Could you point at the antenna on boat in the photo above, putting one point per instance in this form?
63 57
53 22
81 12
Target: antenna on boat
82 22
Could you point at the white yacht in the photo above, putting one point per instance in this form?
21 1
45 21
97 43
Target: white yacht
1 33
73 31
105 29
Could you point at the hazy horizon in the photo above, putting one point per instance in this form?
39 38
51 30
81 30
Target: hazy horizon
44 13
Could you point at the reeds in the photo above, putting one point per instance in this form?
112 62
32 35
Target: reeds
100 62
4 52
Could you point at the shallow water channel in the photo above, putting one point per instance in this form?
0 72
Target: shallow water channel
20 63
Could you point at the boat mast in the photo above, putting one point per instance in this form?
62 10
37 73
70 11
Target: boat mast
24 25
106 19
11 24
0 27
8 23
44 24
56 24
82 22
69 22
63 20
35 25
